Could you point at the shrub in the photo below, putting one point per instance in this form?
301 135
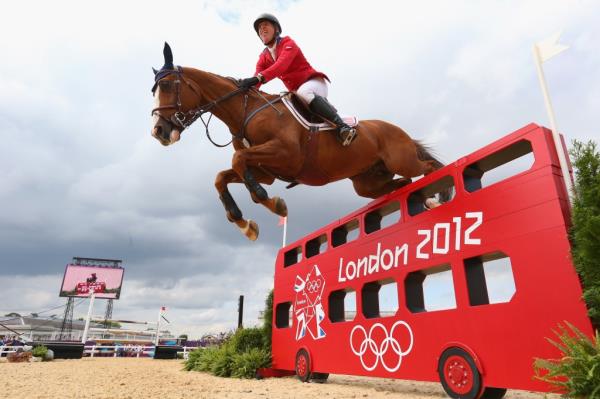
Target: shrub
247 350
268 320
577 373
245 339
246 363
39 351
222 362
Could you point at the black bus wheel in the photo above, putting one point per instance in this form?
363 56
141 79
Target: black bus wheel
319 378
493 393
459 375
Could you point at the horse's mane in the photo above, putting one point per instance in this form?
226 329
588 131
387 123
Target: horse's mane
232 82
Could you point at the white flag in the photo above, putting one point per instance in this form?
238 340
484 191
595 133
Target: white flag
548 48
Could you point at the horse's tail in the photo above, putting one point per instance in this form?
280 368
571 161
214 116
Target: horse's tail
425 153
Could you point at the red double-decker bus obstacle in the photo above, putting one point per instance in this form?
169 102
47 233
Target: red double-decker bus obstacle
329 314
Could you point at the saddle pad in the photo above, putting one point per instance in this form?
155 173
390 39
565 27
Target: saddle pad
351 121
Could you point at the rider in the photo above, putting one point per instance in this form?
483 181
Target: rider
283 59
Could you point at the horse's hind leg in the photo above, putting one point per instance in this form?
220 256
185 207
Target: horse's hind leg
376 182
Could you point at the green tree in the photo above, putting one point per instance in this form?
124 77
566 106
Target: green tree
585 233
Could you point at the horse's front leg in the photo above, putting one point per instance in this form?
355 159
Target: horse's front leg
248 227
246 161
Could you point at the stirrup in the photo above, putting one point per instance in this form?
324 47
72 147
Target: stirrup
350 136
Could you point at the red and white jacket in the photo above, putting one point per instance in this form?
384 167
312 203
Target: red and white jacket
290 65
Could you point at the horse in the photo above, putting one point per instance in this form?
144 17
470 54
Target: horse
91 280
270 144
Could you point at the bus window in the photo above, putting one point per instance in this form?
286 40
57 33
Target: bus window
489 279
501 165
292 256
382 217
316 246
282 314
344 233
431 196
342 305
430 289
380 299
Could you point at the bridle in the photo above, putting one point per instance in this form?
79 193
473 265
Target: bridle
184 119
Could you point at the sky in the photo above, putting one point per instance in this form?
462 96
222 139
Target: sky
80 174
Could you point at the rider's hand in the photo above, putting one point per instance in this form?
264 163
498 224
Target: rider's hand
249 82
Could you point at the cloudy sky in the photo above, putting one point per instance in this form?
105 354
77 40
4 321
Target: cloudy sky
80 174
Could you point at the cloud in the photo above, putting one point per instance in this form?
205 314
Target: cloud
81 175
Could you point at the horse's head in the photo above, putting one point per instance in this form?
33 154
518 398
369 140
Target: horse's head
171 100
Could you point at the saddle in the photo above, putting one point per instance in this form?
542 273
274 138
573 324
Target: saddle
309 119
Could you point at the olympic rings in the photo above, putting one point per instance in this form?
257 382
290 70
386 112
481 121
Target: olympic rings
369 343
313 286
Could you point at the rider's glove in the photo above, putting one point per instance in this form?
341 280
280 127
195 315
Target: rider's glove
249 82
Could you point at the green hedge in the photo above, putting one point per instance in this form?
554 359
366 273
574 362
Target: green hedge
577 373
241 355
585 233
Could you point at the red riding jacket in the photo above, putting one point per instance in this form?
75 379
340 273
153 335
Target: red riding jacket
290 65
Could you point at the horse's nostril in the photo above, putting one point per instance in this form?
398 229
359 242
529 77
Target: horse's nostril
158 130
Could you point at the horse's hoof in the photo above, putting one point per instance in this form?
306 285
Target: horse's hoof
280 207
251 230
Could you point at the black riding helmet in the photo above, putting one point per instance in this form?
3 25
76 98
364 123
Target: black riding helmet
267 17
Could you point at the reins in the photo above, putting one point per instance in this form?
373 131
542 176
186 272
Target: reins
185 119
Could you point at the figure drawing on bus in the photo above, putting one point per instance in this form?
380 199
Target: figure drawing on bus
308 308
283 59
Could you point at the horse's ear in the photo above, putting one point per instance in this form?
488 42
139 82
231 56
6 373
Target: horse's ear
155 71
168 54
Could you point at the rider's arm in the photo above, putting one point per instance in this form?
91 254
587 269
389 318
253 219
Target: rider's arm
288 53
261 65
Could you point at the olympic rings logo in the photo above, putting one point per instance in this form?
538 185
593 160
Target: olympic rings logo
313 286
388 342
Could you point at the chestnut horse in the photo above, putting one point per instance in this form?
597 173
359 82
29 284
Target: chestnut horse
270 144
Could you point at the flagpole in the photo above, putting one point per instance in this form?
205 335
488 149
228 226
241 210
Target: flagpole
557 141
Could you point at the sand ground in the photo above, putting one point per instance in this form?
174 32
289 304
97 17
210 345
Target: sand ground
131 378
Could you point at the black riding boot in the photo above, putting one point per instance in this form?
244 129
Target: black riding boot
320 106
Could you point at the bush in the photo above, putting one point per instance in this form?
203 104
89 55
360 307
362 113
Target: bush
268 320
246 363
39 351
247 350
245 339
586 224
577 373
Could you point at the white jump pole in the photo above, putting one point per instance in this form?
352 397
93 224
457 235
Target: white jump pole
89 316
543 51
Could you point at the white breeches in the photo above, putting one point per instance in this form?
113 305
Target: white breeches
311 88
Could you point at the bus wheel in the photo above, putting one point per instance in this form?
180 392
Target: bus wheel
459 375
493 393
303 365
319 378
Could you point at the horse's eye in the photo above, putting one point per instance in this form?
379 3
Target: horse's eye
165 85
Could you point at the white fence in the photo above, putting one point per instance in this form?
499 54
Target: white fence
106 351
127 351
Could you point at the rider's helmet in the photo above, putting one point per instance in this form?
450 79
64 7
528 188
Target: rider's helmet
267 17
